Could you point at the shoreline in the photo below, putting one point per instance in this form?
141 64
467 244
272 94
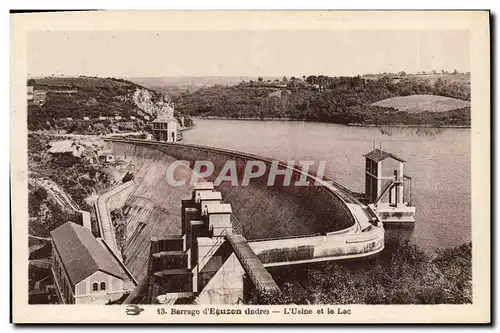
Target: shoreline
408 126
349 124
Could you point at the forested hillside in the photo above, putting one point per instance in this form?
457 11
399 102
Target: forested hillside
91 97
327 99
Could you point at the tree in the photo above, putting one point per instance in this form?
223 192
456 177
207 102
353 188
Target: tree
260 79
312 79
285 79
455 72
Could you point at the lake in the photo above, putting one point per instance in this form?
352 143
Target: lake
438 160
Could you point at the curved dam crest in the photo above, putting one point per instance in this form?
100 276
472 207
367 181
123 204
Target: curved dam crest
316 222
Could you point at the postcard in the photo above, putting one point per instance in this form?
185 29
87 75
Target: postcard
250 167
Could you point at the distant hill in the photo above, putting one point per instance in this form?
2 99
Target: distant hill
342 100
420 103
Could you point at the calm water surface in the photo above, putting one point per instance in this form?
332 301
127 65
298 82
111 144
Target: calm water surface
438 160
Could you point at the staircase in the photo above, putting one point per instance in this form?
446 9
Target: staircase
387 187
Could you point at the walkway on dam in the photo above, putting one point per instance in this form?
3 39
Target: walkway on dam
106 227
260 277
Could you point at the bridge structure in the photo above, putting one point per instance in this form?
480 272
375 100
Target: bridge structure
213 235
251 263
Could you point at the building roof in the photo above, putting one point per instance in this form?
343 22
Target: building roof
219 208
209 195
204 186
165 119
82 255
378 155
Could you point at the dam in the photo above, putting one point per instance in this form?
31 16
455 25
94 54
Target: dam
282 225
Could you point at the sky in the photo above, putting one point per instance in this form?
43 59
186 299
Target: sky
249 53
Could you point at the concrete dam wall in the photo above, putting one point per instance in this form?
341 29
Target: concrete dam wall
284 224
263 212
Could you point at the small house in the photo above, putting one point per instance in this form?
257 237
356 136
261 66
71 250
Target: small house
165 128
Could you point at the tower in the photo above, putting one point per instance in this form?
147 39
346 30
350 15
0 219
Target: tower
384 178
165 126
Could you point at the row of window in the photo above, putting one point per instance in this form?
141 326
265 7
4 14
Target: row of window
96 286
160 126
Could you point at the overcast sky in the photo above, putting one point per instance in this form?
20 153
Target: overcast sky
245 53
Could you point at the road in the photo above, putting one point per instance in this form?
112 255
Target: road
82 136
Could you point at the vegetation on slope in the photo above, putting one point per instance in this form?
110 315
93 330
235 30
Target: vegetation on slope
93 97
77 176
401 274
46 215
341 100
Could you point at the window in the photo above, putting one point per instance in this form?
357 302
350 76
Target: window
103 285
94 286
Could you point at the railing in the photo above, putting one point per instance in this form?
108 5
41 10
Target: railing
219 240
236 225
284 237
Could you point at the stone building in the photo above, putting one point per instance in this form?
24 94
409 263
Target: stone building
36 97
165 127
85 270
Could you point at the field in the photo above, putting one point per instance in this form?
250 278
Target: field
419 103
461 79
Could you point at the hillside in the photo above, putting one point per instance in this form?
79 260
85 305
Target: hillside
341 100
419 103
70 99
175 85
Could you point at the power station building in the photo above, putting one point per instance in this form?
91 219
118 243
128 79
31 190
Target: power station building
85 270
